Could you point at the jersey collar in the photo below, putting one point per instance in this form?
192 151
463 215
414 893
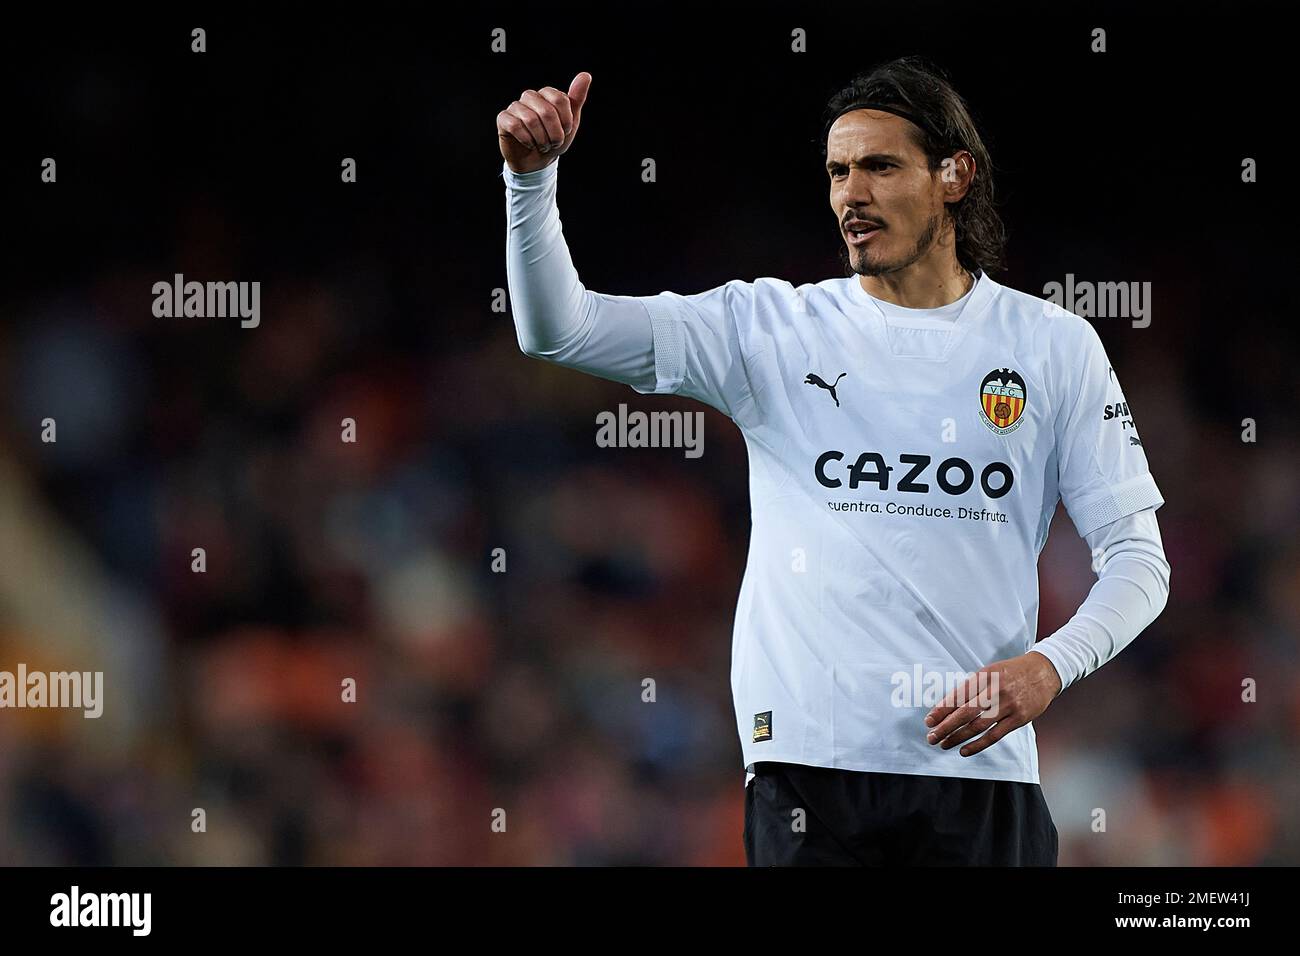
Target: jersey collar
977 304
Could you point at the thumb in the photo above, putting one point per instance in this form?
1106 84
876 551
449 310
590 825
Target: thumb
578 93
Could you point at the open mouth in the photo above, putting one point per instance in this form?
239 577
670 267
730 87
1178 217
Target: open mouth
858 233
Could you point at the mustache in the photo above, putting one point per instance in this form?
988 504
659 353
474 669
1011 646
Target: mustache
859 220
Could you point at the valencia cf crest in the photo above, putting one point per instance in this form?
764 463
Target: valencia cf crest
1002 400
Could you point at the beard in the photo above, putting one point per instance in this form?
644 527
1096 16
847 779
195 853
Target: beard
860 262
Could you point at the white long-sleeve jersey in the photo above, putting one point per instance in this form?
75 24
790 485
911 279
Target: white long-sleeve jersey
904 467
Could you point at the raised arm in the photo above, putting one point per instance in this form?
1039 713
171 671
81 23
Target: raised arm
667 343
556 318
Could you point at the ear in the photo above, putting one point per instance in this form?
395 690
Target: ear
958 173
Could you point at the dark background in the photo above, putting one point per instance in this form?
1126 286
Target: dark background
522 690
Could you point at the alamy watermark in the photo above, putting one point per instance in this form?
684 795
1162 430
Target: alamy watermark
922 688
83 690
129 910
651 430
1103 300
208 300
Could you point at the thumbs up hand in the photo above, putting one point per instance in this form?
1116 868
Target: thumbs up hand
539 127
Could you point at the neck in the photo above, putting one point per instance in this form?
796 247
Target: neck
920 286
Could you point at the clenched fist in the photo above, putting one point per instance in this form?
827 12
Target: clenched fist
539 127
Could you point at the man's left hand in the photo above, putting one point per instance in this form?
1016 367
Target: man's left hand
994 701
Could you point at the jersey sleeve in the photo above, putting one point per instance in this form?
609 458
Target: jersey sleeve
658 344
1103 471
1131 590
698 347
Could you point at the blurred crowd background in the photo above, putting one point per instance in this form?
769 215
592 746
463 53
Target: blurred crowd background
373 560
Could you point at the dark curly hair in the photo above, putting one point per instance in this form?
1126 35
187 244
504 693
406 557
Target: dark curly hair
920 88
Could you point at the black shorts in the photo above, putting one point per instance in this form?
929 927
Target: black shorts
861 818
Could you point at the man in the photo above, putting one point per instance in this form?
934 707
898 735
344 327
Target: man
910 429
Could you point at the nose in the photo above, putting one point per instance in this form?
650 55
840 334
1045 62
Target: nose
855 192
